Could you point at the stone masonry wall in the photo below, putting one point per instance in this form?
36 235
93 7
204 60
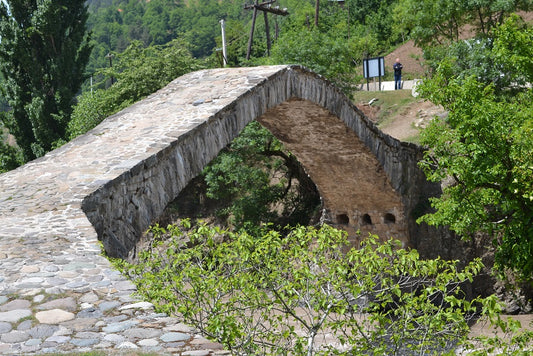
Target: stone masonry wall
122 208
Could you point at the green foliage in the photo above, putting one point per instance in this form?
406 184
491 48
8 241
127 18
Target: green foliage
321 52
502 59
236 43
275 296
43 53
431 22
378 16
484 148
10 156
259 182
340 37
513 48
337 47
117 23
137 72
509 337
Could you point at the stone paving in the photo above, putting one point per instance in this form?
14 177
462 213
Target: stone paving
58 293
73 304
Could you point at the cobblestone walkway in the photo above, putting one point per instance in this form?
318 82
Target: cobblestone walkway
57 292
77 302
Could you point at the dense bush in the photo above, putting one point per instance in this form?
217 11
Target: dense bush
272 295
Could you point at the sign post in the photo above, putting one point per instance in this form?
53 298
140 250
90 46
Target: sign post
374 67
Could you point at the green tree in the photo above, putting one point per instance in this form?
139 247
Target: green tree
513 47
10 156
43 54
156 20
274 295
376 15
439 22
326 54
259 182
484 150
138 72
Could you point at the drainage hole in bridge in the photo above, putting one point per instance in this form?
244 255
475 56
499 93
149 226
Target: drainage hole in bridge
389 218
343 219
366 220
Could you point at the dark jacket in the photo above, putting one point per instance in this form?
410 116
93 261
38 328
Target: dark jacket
397 68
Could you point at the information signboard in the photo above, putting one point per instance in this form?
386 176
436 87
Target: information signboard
374 67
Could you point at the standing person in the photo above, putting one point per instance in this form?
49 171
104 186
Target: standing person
397 74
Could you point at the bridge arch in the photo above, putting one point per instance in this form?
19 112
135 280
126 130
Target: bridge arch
113 181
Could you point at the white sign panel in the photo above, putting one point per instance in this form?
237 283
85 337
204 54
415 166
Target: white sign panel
374 67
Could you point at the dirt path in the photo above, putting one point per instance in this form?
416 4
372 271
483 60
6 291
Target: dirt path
406 122
406 125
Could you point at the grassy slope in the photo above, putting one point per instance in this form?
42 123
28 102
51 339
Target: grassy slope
397 113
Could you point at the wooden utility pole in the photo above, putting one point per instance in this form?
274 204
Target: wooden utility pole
267 31
317 8
251 37
266 7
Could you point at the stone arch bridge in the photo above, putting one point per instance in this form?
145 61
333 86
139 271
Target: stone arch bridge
110 183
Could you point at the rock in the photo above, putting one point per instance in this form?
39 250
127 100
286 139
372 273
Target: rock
120 326
31 282
56 281
13 316
142 333
38 298
125 286
174 336
127 345
5 327
14 336
90 313
68 304
196 353
43 330
54 316
148 343
16 304
78 266
33 342
60 339
114 338
84 342
89 298
140 305
25 325
105 306
51 268
87 335
180 327
29 269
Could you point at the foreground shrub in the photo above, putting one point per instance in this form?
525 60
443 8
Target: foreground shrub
307 293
